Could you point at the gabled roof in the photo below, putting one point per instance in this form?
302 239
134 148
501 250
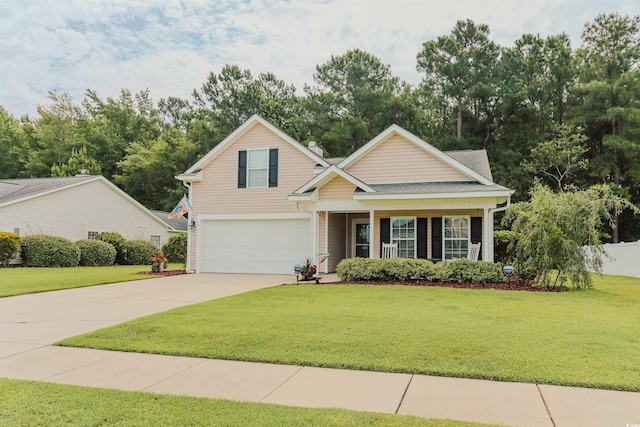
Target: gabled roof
236 134
327 175
395 129
19 190
434 190
476 160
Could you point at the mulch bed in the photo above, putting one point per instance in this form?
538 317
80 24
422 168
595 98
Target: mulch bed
164 273
514 286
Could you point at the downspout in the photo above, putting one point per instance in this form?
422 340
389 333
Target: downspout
491 212
189 231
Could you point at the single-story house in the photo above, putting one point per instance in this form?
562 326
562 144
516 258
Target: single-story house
263 202
77 208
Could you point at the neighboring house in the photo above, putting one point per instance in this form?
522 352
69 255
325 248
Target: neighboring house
76 208
262 202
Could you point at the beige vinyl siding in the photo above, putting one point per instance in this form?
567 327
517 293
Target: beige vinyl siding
337 240
218 193
337 189
397 160
418 214
73 212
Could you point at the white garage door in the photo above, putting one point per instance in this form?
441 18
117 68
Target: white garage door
270 246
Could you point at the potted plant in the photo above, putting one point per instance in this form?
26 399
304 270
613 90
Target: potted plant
308 270
159 263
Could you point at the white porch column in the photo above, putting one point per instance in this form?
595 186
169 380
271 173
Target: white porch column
315 229
371 229
326 241
487 252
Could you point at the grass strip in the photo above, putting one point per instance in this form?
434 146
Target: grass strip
30 403
29 280
584 338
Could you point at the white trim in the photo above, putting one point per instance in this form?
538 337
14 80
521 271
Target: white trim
329 174
468 218
326 242
306 197
415 233
249 217
372 226
190 177
354 222
395 129
244 128
266 182
476 194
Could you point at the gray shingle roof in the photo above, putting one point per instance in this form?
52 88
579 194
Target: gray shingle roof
179 224
476 160
435 187
15 189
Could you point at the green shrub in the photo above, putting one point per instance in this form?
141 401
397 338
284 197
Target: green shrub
464 270
116 240
176 248
505 242
355 269
49 251
96 253
9 246
139 252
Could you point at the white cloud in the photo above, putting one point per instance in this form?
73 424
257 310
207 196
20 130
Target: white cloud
170 46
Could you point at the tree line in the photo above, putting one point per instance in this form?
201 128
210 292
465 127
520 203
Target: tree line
544 111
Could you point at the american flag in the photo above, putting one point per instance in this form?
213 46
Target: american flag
181 208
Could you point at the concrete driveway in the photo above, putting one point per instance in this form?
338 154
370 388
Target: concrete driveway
30 321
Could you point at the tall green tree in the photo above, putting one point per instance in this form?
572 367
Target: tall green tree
461 66
355 97
11 142
607 99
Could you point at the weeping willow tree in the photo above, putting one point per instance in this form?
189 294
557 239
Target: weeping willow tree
561 233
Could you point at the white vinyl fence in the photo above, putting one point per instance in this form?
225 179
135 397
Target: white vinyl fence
624 259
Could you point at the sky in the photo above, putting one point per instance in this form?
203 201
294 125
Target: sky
171 46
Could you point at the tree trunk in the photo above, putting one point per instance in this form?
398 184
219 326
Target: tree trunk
459 117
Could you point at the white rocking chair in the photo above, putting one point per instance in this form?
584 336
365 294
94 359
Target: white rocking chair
389 250
474 251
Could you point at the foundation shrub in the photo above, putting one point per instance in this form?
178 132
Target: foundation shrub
9 246
96 253
355 269
140 252
41 250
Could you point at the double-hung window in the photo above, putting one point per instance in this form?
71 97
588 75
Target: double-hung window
258 168
403 232
456 237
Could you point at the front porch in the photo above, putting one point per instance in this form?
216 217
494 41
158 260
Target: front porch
434 234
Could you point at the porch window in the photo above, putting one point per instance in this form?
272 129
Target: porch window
456 237
403 232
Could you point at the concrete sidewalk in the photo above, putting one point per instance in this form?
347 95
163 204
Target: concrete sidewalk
30 323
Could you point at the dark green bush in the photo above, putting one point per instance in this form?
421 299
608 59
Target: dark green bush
116 240
176 248
139 252
504 245
96 253
9 246
355 269
464 270
49 251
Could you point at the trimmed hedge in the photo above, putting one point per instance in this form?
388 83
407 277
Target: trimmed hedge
462 270
116 240
176 248
41 250
139 252
96 253
9 246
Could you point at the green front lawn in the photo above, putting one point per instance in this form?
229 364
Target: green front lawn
28 403
584 338
28 280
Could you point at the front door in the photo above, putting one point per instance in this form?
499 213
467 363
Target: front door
360 238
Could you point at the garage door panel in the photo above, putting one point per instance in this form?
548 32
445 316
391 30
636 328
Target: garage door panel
254 246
